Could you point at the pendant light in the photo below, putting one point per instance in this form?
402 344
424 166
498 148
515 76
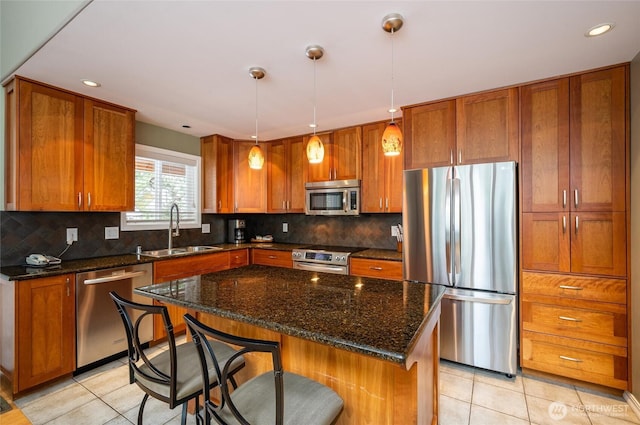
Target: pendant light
392 136
315 148
256 158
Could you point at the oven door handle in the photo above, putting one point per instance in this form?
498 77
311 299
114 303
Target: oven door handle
113 278
319 268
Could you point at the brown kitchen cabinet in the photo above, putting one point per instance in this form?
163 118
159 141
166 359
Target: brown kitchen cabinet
44 335
487 127
250 186
217 174
381 269
342 156
182 267
285 175
63 151
430 135
271 257
238 258
381 188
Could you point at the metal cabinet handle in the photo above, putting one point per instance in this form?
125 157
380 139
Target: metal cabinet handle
460 156
577 224
114 277
380 199
273 257
451 156
89 200
564 224
386 202
569 319
79 199
219 205
564 198
575 198
68 287
571 359
573 288
288 205
375 268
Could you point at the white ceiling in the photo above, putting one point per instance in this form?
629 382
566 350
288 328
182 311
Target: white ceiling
186 62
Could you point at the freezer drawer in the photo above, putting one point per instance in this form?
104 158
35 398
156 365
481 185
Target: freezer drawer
480 329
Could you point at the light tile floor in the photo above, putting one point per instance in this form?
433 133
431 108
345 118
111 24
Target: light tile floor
468 396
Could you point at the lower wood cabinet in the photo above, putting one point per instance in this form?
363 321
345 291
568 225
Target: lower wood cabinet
43 336
238 258
575 327
382 269
178 268
270 257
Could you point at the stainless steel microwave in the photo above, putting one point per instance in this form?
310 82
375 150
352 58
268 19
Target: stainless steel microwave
334 197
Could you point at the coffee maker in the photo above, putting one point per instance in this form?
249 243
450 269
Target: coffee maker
237 231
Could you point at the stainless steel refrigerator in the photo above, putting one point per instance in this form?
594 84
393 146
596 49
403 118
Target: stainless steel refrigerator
459 229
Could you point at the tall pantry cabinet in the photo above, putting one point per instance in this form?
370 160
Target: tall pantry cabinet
575 191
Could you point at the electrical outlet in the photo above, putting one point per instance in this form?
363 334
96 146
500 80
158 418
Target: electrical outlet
206 228
111 232
72 235
285 227
394 230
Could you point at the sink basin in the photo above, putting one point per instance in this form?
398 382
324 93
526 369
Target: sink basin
158 253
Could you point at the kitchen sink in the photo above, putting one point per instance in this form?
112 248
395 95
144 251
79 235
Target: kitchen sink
158 253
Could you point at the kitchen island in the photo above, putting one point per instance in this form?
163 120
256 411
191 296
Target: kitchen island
375 342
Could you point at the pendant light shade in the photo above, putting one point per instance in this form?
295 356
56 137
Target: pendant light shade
392 136
315 148
256 157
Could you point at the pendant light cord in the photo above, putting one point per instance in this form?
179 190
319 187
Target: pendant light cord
256 110
314 97
392 80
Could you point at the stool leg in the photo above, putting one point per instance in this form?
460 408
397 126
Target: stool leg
144 401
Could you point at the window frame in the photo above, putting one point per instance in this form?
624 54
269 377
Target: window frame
167 155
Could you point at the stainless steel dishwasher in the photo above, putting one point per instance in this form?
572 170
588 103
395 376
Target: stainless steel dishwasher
99 330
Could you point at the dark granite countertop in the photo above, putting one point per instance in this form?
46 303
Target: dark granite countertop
24 272
375 317
378 254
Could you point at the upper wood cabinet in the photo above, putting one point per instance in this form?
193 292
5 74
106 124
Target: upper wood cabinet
285 175
250 186
487 127
381 175
66 152
430 135
342 156
217 174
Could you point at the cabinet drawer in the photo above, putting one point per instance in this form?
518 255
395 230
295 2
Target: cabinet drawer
269 257
239 258
382 269
605 326
177 268
577 287
596 363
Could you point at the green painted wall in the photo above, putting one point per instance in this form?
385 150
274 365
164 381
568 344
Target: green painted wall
148 134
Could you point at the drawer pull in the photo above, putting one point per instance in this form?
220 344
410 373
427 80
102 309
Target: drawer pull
375 268
571 359
574 288
273 257
569 319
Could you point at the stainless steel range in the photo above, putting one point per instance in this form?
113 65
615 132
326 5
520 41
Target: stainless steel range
326 259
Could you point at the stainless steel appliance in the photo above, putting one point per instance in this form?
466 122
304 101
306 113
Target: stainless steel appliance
326 259
459 227
237 231
99 330
335 197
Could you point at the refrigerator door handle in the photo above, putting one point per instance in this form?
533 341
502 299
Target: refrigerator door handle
447 224
478 299
455 189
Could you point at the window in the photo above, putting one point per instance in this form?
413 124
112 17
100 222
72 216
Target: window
163 177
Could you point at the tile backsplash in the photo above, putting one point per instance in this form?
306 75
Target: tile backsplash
22 233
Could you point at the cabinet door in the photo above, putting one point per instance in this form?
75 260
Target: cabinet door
347 153
322 171
250 189
296 174
225 175
598 140
109 155
430 135
50 149
393 181
545 146
373 167
209 153
546 242
487 127
277 181
45 329
599 243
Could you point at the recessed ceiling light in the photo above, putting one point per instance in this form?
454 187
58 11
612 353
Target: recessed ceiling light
90 83
599 29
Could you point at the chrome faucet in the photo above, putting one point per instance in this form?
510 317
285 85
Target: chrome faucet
173 233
